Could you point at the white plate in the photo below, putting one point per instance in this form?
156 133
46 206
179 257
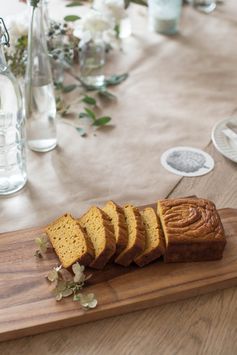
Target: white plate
224 145
187 161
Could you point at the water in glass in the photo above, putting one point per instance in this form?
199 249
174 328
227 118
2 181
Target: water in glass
13 174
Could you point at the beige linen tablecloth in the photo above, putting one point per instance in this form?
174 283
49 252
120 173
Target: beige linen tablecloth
178 88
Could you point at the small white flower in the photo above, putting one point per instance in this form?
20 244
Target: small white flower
92 26
111 8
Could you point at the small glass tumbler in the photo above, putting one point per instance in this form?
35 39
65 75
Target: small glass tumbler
164 16
92 61
206 6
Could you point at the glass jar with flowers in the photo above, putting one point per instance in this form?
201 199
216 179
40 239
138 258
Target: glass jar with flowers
91 31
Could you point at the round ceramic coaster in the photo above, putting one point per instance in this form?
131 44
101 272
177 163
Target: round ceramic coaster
187 161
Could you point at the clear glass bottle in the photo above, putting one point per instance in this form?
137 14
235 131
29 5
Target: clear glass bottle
13 174
40 105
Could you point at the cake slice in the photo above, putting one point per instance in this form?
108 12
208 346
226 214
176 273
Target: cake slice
70 242
155 246
136 236
100 230
192 228
116 214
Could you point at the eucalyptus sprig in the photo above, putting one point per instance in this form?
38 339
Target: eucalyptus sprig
43 245
67 286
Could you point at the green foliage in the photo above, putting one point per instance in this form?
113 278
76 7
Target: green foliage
43 245
71 18
69 88
116 79
102 121
74 3
66 285
17 59
89 100
34 3
96 122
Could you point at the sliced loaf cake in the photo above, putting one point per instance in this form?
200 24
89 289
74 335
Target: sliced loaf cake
136 236
155 246
116 214
100 230
70 242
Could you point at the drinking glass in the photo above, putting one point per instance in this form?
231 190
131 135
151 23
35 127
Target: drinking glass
92 61
206 6
164 15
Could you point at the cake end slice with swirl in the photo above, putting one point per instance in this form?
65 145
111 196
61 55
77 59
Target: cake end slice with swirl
192 228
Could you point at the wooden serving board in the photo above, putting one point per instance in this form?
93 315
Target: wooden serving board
27 306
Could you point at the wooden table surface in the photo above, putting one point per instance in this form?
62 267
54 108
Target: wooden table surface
200 325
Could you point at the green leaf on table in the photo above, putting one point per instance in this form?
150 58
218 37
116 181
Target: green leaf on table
139 2
107 94
68 88
71 18
82 115
116 79
81 131
89 100
74 3
102 121
90 113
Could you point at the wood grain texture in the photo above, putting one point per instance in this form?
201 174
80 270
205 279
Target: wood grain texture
27 306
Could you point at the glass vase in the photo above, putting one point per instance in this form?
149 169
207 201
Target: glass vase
92 61
206 6
164 16
40 105
13 174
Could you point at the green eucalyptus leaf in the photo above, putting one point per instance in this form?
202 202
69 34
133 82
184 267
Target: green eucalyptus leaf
107 94
74 3
140 2
102 121
89 100
90 113
116 79
82 115
71 18
69 88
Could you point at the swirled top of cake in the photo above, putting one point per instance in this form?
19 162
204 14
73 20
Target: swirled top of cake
190 219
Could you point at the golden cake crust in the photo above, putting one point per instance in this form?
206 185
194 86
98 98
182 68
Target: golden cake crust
117 217
107 239
192 228
151 253
138 230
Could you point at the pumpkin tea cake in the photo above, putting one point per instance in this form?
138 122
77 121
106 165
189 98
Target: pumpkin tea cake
98 226
136 236
70 242
155 246
116 214
192 228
